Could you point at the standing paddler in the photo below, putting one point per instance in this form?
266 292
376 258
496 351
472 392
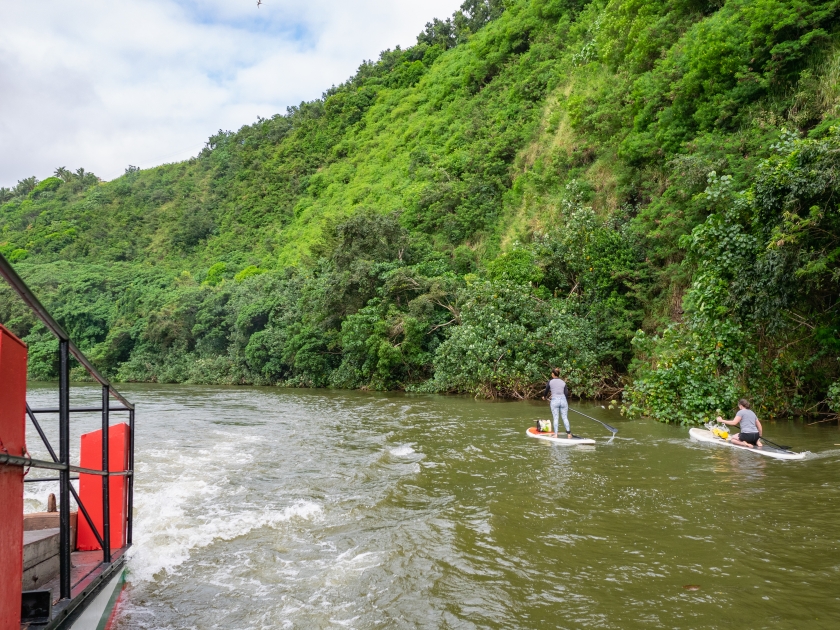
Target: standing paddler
557 389
750 426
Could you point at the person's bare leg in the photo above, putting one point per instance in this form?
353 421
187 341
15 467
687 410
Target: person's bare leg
738 442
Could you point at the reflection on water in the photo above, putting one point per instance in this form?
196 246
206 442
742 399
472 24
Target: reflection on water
267 508
740 469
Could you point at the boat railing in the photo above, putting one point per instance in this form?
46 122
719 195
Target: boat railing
60 461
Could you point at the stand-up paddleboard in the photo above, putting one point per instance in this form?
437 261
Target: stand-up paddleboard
562 440
703 435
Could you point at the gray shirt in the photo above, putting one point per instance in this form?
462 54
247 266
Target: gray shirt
557 388
748 419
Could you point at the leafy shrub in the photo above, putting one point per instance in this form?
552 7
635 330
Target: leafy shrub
760 318
509 339
689 373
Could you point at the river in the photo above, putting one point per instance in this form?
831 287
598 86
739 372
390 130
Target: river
261 508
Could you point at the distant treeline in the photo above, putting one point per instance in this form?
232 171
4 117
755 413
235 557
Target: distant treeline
644 194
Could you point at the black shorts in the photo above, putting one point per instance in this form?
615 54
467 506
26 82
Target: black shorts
749 438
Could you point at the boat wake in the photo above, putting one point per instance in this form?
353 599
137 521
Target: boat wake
162 544
196 505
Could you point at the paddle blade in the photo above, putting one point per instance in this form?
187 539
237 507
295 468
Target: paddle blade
781 446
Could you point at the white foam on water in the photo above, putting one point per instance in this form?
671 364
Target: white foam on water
345 622
173 521
351 562
402 451
167 539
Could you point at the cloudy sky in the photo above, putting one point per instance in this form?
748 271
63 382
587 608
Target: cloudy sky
102 84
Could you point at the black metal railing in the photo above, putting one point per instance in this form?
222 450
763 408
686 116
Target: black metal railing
61 461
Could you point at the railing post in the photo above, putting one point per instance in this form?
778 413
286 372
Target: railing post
64 475
106 480
130 526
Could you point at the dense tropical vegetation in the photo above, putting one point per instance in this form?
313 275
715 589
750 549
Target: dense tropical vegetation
644 193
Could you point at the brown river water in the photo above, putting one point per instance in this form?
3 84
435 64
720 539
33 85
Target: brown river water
262 508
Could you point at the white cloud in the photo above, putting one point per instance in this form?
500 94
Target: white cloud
104 84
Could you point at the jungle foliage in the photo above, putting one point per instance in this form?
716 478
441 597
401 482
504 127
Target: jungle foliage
641 192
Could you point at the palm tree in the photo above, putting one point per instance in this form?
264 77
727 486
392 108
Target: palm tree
86 177
25 186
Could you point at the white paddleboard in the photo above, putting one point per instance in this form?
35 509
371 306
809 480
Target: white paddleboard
703 435
562 440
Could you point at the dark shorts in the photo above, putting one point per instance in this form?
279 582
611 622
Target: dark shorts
749 438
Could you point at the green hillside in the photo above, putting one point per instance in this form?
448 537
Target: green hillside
641 192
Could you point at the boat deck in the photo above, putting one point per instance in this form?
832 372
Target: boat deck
86 569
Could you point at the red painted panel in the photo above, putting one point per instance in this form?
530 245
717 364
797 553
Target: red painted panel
13 441
90 487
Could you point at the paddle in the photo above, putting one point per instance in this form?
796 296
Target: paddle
604 424
784 448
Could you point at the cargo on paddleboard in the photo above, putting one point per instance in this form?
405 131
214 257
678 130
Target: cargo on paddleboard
562 440
706 436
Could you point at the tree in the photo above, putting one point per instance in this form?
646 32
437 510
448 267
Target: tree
25 186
